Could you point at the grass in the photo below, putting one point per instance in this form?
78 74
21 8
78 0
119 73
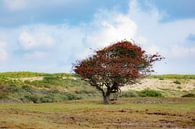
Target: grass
52 88
173 76
59 87
22 74
86 114
183 104
143 93
65 101
34 74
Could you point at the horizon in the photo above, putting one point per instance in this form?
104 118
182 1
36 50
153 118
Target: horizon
50 36
73 73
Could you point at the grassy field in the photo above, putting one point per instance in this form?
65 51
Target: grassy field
64 101
138 113
174 76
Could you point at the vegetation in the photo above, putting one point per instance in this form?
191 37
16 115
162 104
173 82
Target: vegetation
22 74
174 76
150 93
143 93
17 87
114 66
52 88
189 95
177 82
142 113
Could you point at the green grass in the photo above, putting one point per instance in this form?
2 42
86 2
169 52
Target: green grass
95 104
34 74
173 76
22 74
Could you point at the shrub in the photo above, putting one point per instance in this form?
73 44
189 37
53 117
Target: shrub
27 88
130 93
32 98
149 93
50 78
71 96
189 95
161 78
13 88
47 99
177 82
3 91
84 91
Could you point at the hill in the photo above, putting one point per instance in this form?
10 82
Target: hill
25 87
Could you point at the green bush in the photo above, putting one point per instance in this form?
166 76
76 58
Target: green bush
177 82
13 88
27 88
189 95
149 93
130 93
161 78
47 99
179 87
32 98
71 96
50 78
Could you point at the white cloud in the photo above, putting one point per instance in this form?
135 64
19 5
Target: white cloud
112 28
58 46
15 4
145 27
3 52
33 39
180 52
35 56
18 5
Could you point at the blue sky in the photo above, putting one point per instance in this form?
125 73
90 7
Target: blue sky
49 36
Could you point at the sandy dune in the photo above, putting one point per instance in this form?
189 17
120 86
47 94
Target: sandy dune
156 84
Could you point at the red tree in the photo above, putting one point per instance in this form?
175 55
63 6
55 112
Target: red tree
114 66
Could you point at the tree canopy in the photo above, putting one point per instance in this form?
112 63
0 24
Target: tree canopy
114 66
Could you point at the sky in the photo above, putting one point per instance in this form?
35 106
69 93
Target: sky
51 35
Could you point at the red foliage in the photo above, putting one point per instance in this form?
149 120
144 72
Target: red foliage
119 63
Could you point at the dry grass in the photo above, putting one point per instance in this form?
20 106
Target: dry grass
138 113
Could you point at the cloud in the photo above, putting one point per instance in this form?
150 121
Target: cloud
33 38
191 37
180 52
53 48
109 27
3 52
19 5
36 56
146 28
15 4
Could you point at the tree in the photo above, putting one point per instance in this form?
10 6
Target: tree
114 66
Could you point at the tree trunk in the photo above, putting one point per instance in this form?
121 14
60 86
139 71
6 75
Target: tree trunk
106 99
